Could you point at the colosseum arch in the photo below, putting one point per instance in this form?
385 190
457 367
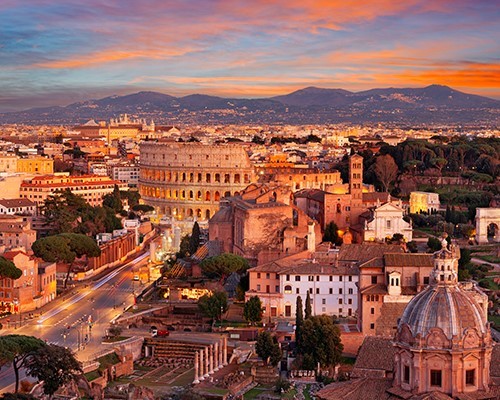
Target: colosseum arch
487 219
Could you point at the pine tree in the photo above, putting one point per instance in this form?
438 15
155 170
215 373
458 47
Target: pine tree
299 321
308 309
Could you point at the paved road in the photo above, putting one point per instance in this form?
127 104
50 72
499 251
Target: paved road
79 321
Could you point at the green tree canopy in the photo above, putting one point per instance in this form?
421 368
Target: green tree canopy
253 310
331 234
113 200
65 247
268 348
8 269
213 305
223 265
54 365
143 208
321 341
17 349
434 244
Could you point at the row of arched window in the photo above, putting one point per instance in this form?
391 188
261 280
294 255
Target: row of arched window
192 195
193 177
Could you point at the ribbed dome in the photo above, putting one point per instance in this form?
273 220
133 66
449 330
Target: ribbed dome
441 306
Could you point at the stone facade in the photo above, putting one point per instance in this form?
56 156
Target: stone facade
189 179
384 221
424 202
487 218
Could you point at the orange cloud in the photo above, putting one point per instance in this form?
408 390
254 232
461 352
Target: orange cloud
107 56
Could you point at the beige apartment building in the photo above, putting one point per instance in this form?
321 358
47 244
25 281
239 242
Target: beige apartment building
91 187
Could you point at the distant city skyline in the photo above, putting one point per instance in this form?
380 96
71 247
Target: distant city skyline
55 52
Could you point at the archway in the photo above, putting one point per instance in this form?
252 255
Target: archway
487 224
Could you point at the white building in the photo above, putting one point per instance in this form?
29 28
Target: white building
17 206
125 172
424 202
332 285
384 221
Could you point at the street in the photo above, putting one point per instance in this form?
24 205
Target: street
79 321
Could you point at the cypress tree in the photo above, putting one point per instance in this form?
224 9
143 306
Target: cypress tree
308 310
299 321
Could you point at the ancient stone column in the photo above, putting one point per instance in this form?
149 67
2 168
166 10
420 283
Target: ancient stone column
202 372
196 369
221 345
216 356
207 360
224 358
211 355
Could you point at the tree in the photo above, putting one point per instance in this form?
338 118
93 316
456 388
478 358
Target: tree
386 170
113 200
308 309
331 234
268 348
194 240
253 310
8 269
17 349
321 341
223 265
143 208
66 248
213 305
299 321
54 365
17 396
434 244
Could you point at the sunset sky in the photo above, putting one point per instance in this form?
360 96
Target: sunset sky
58 52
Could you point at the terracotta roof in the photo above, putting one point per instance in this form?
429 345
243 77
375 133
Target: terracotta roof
9 203
376 353
408 260
387 323
379 288
357 389
366 251
11 254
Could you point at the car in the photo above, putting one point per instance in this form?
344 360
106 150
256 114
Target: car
136 277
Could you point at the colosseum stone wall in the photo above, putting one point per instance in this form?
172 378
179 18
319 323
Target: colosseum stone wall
188 179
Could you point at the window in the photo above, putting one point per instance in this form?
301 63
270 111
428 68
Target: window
406 374
287 277
317 278
374 279
311 278
340 311
317 290
340 291
297 278
258 288
323 301
340 300
268 276
372 310
277 288
331 290
277 276
331 278
288 289
350 278
388 224
268 289
372 326
426 280
351 291
340 278
436 377
288 311
258 275
297 290
470 376
310 291
349 301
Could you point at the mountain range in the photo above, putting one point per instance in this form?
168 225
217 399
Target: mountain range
433 104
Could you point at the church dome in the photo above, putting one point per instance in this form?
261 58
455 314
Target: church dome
447 307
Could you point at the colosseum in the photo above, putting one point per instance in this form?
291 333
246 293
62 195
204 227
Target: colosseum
188 179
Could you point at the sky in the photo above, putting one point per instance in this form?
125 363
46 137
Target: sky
56 52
